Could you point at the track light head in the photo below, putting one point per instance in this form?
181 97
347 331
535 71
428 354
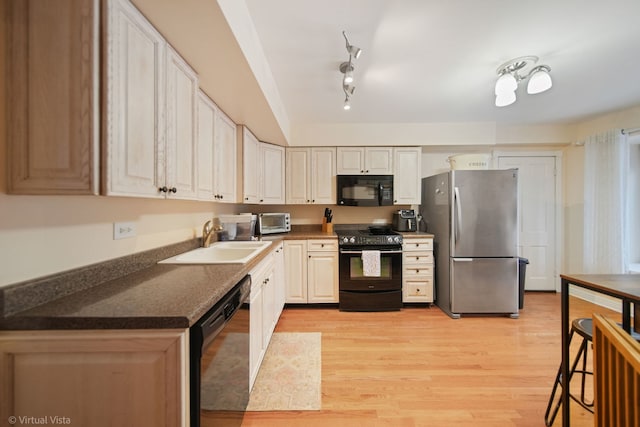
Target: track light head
353 50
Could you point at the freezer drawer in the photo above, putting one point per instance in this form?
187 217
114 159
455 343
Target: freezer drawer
484 285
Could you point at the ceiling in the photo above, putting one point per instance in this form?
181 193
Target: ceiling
423 61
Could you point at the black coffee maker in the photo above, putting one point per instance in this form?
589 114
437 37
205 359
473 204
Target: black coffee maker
404 220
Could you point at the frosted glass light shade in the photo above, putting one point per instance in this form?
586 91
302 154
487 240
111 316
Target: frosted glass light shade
539 82
348 77
505 84
506 98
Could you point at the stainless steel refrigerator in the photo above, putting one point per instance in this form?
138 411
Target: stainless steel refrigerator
473 215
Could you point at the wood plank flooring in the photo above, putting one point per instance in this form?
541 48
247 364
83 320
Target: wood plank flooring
418 367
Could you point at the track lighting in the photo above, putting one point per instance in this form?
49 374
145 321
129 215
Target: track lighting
353 51
347 68
509 77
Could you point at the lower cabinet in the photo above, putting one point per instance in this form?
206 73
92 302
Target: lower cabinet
417 270
96 378
311 270
266 304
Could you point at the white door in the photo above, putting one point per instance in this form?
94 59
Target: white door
537 211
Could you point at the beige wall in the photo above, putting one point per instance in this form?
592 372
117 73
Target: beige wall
41 235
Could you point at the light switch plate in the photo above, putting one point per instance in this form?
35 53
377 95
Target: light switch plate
123 230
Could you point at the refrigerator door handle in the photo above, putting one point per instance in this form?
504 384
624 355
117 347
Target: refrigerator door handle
458 218
462 259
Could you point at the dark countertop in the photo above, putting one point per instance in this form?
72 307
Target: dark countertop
146 295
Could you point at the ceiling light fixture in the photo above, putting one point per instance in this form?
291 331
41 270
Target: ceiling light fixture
509 76
347 68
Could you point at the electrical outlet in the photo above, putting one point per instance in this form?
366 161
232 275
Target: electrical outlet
123 230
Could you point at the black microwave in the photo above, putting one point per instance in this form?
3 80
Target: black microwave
365 190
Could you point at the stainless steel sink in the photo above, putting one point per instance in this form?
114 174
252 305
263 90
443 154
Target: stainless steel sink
220 253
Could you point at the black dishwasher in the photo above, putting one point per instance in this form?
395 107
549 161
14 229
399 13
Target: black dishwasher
219 361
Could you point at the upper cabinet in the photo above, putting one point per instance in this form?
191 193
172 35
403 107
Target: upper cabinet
272 182
407 175
250 167
206 123
150 144
133 121
311 175
365 160
225 159
263 171
181 158
53 97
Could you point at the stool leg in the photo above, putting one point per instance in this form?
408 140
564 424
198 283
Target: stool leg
550 415
584 349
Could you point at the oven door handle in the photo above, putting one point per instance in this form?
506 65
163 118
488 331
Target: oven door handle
382 252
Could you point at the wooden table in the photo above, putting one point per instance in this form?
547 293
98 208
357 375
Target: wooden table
626 287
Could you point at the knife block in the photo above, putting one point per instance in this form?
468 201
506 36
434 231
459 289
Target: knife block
327 227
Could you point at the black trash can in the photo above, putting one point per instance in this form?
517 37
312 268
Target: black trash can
522 270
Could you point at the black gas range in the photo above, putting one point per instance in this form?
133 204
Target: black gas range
370 266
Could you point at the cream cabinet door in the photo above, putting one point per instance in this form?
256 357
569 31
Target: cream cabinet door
323 277
133 126
256 343
295 261
251 167
206 122
53 102
378 161
311 175
298 176
181 150
350 160
96 378
365 160
323 175
280 280
225 157
407 164
272 174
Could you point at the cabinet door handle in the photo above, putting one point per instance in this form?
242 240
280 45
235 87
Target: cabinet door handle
163 189
173 190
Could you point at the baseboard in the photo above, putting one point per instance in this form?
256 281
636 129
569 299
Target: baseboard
596 298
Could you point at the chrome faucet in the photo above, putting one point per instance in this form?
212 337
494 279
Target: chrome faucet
207 232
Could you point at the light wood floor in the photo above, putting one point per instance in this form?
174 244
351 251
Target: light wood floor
417 367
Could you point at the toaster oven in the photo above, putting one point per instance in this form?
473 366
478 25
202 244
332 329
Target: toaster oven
272 223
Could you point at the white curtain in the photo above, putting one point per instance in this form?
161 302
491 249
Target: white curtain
605 203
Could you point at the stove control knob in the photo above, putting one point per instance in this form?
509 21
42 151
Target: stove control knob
352 240
396 239
389 239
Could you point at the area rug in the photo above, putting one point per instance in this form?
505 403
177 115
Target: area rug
290 375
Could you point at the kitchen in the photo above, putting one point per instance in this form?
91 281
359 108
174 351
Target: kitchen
34 226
